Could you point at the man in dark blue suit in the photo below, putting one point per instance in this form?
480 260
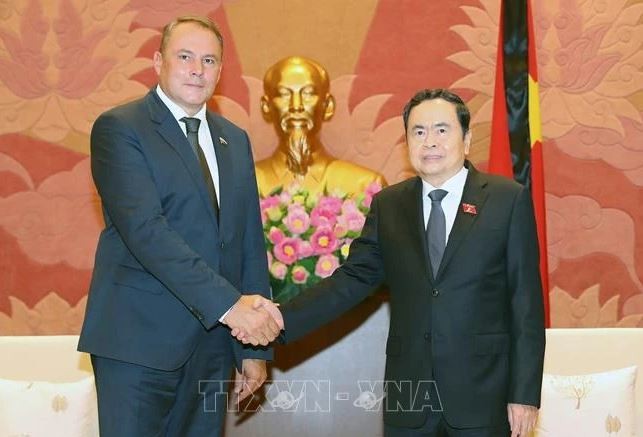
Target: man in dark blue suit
458 251
181 252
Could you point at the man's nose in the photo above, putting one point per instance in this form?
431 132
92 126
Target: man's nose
296 102
196 69
429 141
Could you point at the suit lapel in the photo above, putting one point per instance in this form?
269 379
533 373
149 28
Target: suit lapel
474 193
169 129
226 172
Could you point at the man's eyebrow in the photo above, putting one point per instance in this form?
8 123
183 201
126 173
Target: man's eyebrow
441 124
418 126
190 52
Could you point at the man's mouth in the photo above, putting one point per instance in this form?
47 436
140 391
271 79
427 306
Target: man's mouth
289 122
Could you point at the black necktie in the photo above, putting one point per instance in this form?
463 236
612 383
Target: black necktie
436 230
192 128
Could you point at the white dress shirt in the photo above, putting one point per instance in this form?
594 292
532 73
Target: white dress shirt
205 141
205 136
450 203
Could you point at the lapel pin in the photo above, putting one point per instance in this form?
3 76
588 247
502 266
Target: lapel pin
468 208
223 141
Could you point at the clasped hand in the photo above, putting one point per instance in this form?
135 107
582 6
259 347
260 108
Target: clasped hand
522 419
254 320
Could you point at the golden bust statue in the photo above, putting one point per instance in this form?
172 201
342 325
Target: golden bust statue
297 101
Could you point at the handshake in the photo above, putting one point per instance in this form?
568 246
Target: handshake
254 320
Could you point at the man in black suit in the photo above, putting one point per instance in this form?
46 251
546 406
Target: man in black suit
458 251
181 251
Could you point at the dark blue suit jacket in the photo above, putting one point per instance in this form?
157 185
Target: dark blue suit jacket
166 269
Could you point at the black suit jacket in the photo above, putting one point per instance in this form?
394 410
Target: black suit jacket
477 328
166 268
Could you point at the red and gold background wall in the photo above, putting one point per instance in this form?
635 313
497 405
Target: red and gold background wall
62 62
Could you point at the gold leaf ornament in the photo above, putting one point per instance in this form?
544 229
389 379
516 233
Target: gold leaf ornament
612 424
59 403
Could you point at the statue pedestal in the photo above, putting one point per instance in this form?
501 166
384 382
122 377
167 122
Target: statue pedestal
327 384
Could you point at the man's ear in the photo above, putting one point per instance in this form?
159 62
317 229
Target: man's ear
467 142
265 108
330 107
158 61
218 75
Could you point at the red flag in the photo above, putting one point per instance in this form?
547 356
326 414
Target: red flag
500 148
537 167
516 141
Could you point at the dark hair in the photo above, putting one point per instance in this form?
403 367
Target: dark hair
464 116
203 22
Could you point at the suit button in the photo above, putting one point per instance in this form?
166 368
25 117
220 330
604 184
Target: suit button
196 313
435 292
222 245
427 336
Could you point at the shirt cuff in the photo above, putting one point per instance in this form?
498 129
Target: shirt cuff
225 314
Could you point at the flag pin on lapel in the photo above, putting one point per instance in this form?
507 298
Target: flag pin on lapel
223 141
468 208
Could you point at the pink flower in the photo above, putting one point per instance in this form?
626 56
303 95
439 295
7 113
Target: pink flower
275 235
297 221
349 205
287 249
331 203
353 221
299 275
305 250
323 216
270 258
340 230
296 207
278 270
285 197
323 241
372 189
269 202
266 204
326 265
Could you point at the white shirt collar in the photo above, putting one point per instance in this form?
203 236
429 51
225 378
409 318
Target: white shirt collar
450 204
176 110
455 184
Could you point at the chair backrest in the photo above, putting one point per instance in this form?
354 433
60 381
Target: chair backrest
569 352
581 351
51 358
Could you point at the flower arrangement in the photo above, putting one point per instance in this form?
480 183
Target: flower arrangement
308 236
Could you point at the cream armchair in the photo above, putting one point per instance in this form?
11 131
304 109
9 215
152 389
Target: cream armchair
596 404
569 352
46 388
